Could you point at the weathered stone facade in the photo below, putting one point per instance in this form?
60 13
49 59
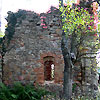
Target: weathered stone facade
33 45
36 47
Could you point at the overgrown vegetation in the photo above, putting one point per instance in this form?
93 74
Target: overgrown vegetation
78 34
12 20
29 92
20 92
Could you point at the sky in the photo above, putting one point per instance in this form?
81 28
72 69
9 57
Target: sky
38 6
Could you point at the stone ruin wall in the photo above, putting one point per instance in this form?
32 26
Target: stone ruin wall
37 39
33 42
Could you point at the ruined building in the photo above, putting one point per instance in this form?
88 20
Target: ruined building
35 54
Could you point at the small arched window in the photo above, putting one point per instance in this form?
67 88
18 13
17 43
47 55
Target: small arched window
49 68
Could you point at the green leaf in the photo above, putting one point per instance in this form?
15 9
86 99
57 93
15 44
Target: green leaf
61 9
14 96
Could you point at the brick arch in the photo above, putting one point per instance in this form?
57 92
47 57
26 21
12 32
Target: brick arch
57 60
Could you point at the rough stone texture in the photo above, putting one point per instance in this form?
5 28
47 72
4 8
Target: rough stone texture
32 43
37 37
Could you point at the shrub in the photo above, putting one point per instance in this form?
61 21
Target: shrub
20 92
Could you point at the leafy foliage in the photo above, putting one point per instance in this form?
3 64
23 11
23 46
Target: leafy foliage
78 38
77 19
78 25
20 92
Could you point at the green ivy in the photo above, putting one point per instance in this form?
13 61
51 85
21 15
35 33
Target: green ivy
12 20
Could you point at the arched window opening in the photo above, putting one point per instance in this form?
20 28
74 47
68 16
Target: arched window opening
52 71
49 68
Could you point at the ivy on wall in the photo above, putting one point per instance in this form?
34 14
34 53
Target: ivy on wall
10 30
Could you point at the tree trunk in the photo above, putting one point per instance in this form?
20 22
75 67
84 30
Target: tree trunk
67 85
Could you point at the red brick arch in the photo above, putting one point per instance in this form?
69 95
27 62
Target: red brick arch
57 61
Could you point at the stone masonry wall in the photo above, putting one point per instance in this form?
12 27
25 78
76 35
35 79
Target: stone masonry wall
37 39
32 42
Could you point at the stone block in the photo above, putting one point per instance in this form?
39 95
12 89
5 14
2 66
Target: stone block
25 22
